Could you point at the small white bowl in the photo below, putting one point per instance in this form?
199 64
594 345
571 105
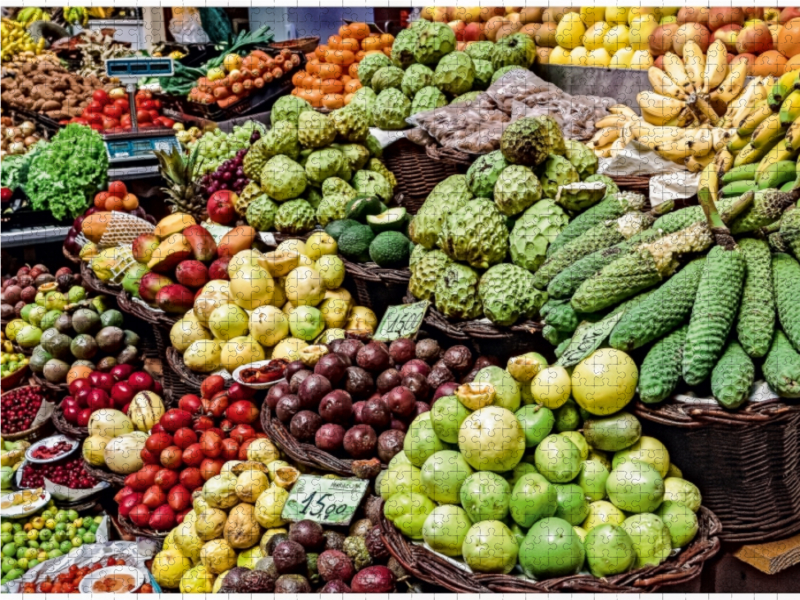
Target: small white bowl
49 443
23 510
256 386
89 580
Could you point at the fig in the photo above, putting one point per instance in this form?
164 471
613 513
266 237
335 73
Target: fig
312 389
309 535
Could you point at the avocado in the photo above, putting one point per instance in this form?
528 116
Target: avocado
83 346
58 346
47 335
131 338
337 228
64 323
110 339
55 371
49 319
85 321
613 433
393 219
111 317
360 207
390 249
39 359
354 243
106 364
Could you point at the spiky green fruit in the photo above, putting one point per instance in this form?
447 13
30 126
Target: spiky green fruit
326 163
391 109
611 186
756 320
261 213
434 41
454 74
428 98
782 367
425 272
480 51
282 178
483 74
351 123
533 232
415 78
733 377
516 189
295 217
337 185
786 283
288 108
386 78
456 292
370 183
527 142
403 49
315 130
483 173
582 158
370 65
475 234
554 172
661 368
514 50
332 208
508 295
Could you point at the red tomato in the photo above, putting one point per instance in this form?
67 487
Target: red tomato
143 116
125 120
157 104
93 117
154 114
166 122
100 96
110 123
147 105
96 127
144 94
123 104
118 189
112 110
81 121
94 106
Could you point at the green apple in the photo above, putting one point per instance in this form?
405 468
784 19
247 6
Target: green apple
572 504
400 477
408 511
443 474
580 532
685 492
551 549
521 469
645 449
485 496
445 528
558 459
603 513
537 422
421 442
490 547
651 539
505 386
681 522
635 487
568 416
592 479
580 442
609 550
447 415
491 439
533 498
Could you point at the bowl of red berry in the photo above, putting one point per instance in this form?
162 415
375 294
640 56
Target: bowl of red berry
50 450
26 413
65 479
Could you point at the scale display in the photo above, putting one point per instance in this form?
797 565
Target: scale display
134 68
120 150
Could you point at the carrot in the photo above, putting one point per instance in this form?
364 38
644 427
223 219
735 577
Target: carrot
221 92
260 55
228 101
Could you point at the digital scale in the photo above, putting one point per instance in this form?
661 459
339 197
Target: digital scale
138 146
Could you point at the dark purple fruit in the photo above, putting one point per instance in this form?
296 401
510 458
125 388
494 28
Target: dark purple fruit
350 349
289 557
374 541
312 390
373 580
292 584
428 350
335 565
421 407
276 392
337 586
298 378
376 414
336 407
402 350
292 368
330 437
360 441
287 407
401 401
358 382
334 345
486 361
458 359
334 540
418 386
304 425
416 366
332 367
309 535
440 374
358 412
389 444
374 357
387 380
446 389
399 425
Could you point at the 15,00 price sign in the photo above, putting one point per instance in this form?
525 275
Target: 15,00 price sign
326 501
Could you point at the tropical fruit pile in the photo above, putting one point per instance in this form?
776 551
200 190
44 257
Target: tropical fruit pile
24 287
513 201
498 465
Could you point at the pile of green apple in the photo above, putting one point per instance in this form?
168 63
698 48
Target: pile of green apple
539 465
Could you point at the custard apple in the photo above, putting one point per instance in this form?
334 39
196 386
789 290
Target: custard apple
364 99
577 197
313 197
370 183
373 144
483 74
370 64
356 155
391 110
581 157
468 97
514 50
376 166
283 179
554 133
507 294
425 272
483 173
454 74
332 208
315 130
526 142
475 234
555 172
480 51
428 98
351 123
295 217
288 108
386 78
403 48
456 292
250 192
337 185
435 41
611 186
455 184
281 139
516 189
415 78
534 231
261 213
500 72
426 225
325 163
417 253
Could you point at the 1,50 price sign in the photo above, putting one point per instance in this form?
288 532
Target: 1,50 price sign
401 321
324 500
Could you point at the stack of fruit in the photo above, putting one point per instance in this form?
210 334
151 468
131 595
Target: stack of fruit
20 407
17 43
49 534
110 112
12 455
17 139
513 201
562 487
211 150
29 286
280 300
68 581
10 361
330 78
68 473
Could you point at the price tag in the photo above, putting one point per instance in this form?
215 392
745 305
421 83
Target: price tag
401 321
326 501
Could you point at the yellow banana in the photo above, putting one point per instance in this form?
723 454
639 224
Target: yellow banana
617 147
793 135
720 138
610 121
769 129
780 152
606 136
723 161
716 66
658 106
783 88
621 109
695 63
744 104
700 140
790 109
708 187
677 151
749 124
750 155
695 164
674 67
732 84
662 84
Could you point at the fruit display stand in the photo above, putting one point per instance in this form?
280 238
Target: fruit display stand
745 462
157 318
44 427
679 569
104 474
67 428
91 281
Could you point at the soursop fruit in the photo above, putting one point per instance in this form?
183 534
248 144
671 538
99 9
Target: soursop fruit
325 163
295 217
288 108
391 109
468 97
332 208
370 65
351 123
455 184
370 183
356 155
581 157
475 234
250 192
313 197
483 173
386 78
283 179
364 99
454 74
428 98
483 74
373 145
456 292
434 42
534 231
514 50
376 166
516 189
500 72
416 254
508 295
261 213
281 139
415 78
577 197
403 49
425 272
554 133
426 226
526 142
315 130
611 186
337 185
480 51
555 172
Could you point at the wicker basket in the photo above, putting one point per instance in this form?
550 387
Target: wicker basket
137 309
104 474
134 530
304 454
377 288
9 382
449 156
416 175
91 282
174 385
686 566
40 431
57 388
636 183
746 463
190 379
67 428
306 45
71 257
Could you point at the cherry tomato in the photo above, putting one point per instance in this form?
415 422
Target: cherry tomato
100 96
5 194
112 110
144 94
143 116
156 103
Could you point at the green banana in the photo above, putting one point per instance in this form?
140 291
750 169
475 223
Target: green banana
776 174
782 89
737 188
743 173
790 109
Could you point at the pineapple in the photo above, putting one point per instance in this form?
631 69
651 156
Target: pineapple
183 193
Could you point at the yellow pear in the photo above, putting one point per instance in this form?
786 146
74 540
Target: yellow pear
641 29
638 11
616 38
593 38
621 59
578 57
591 15
616 15
569 33
598 58
641 60
559 56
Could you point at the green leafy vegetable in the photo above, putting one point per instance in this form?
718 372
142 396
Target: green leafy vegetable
14 168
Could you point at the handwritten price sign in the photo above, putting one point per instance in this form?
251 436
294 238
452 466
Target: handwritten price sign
326 501
401 321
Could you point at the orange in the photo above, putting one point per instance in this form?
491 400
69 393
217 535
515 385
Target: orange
114 203
387 39
333 101
372 42
331 86
100 200
352 86
297 78
360 55
117 188
329 71
348 98
78 372
320 51
340 57
130 202
354 30
387 51
352 70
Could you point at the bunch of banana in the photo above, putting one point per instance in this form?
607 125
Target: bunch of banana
100 13
76 15
28 15
15 41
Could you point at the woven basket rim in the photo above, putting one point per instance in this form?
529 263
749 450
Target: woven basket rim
55 387
70 257
687 565
372 273
190 378
90 280
449 155
160 319
695 416
104 474
67 428
129 527
20 435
